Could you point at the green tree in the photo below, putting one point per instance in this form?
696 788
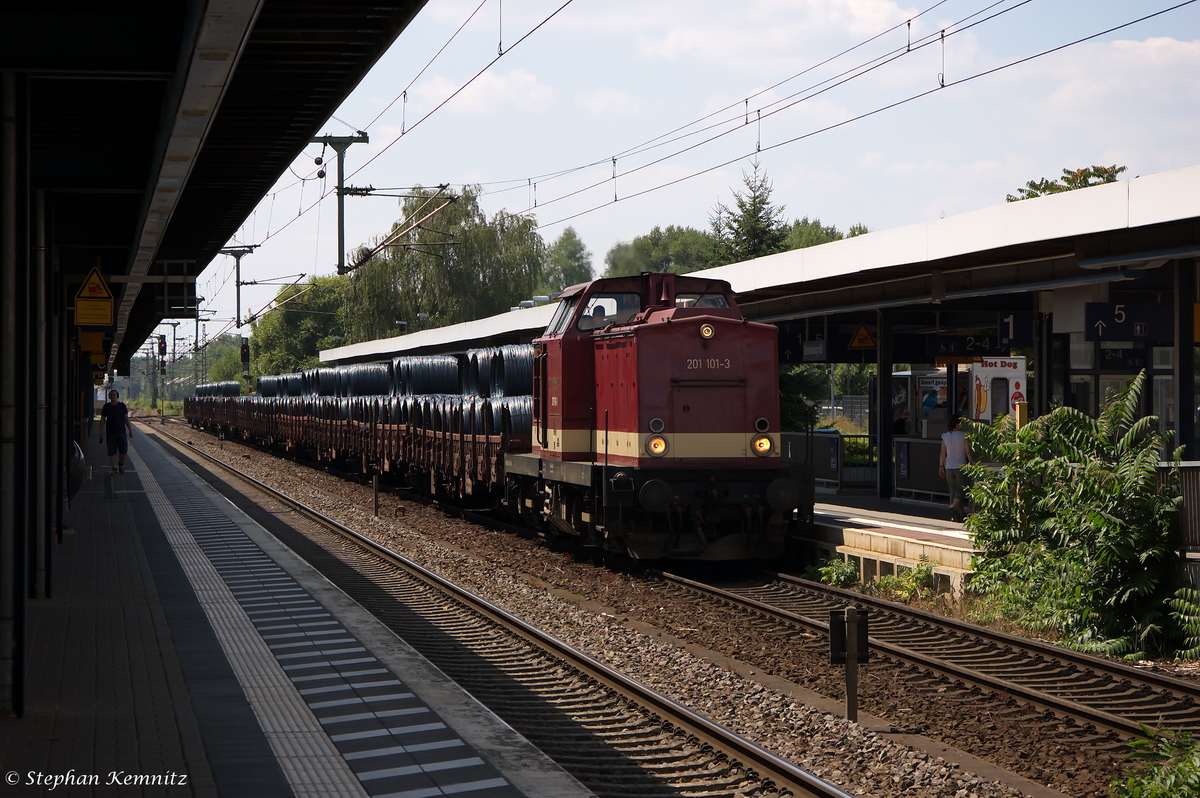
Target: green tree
457 266
307 319
805 233
754 227
568 262
802 386
674 249
1077 527
224 357
1071 179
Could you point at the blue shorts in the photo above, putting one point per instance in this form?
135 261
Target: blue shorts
117 443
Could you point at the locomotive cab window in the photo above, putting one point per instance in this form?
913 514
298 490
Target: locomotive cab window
701 301
604 309
559 322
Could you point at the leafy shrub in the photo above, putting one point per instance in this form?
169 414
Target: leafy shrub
1186 606
908 585
837 572
1077 528
1170 767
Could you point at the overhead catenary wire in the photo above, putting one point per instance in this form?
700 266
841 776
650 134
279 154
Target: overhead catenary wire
440 105
531 182
783 104
404 94
637 148
873 112
464 86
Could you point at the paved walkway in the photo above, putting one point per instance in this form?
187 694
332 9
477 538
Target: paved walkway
127 690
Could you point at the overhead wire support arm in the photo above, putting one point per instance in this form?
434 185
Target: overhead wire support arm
395 236
278 303
272 280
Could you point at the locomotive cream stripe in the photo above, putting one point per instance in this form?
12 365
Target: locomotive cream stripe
679 444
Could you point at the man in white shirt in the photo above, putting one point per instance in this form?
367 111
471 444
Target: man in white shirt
956 452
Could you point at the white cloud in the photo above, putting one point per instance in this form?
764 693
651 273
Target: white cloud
608 101
491 94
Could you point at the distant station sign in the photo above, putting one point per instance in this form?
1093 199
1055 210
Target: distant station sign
1147 324
964 346
94 302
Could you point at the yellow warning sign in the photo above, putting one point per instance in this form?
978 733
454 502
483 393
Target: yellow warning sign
91 341
862 338
94 302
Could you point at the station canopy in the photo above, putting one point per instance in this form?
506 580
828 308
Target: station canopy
154 127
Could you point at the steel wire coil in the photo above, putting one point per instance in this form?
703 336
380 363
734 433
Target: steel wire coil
512 370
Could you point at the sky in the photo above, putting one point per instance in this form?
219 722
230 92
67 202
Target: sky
858 111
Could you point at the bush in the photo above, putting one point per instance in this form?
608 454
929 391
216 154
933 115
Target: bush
909 585
1077 529
1170 767
835 571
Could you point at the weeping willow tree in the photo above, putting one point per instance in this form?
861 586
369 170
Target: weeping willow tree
457 265
1077 529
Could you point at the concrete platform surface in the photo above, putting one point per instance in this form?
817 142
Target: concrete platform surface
186 652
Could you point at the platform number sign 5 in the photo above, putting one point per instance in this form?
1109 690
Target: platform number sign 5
1016 328
1140 323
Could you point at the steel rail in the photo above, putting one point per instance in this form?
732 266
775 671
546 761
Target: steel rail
781 774
1100 719
1035 647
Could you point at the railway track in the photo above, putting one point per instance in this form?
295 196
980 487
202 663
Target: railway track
615 735
1109 697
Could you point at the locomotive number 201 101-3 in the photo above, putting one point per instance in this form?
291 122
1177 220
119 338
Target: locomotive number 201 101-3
708 363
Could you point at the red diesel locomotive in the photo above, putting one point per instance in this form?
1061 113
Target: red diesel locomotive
656 423
654 429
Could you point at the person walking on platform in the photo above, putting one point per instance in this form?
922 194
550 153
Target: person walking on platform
956 452
115 423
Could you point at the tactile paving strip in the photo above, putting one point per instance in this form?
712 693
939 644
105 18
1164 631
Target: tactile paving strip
340 722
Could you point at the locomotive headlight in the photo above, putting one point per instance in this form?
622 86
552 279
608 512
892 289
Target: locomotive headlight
707 332
656 446
761 445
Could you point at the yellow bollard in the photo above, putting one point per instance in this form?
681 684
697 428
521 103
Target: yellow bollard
1022 409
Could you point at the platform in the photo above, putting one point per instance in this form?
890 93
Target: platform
185 651
884 536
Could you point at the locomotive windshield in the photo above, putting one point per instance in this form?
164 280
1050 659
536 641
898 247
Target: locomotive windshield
605 309
559 322
701 301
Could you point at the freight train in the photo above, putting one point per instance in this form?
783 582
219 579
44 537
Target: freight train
643 421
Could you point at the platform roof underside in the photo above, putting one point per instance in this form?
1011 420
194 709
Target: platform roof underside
155 127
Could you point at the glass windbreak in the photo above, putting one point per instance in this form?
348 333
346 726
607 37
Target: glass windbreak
701 301
604 309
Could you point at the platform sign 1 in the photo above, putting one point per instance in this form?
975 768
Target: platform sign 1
1016 328
1146 324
